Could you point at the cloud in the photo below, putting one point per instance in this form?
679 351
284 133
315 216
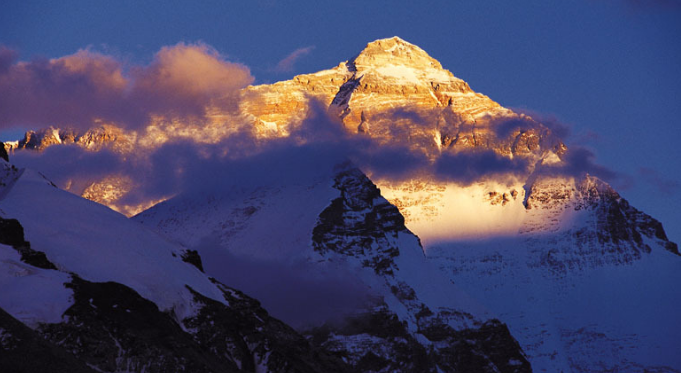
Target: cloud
7 58
79 89
186 78
288 63
69 90
314 146
70 166
532 120
301 294
577 162
467 167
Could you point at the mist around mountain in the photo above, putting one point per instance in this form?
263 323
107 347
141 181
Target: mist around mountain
397 219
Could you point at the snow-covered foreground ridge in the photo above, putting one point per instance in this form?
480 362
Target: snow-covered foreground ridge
102 293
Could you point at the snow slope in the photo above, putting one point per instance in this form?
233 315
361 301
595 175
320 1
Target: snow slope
609 318
119 297
587 283
30 294
101 245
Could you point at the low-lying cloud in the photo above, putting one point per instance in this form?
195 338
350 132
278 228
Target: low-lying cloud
300 293
532 120
70 166
577 162
79 89
467 167
314 146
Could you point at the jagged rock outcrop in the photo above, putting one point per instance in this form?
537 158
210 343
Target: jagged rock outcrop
537 238
394 92
362 225
94 139
344 224
113 328
12 234
3 152
23 350
251 338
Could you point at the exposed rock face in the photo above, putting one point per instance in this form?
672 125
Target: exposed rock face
149 311
3 152
343 224
22 350
93 139
378 342
358 222
551 230
609 229
112 328
394 91
362 225
12 234
254 341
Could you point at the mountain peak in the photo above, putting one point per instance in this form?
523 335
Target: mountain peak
393 51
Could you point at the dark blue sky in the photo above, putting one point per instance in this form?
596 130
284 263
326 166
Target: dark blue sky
608 68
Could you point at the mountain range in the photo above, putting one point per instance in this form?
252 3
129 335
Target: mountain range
387 218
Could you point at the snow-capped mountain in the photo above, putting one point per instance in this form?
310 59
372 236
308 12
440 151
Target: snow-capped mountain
533 236
497 224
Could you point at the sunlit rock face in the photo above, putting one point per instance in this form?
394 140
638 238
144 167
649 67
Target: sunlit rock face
392 91
94 139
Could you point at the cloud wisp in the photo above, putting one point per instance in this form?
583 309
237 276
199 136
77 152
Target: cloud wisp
288 63
77 90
